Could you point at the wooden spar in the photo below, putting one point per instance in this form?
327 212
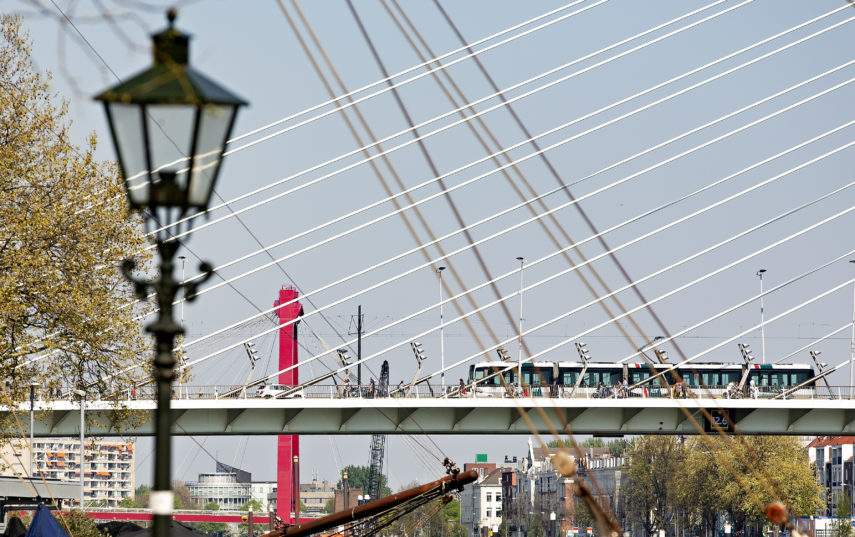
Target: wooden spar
374 507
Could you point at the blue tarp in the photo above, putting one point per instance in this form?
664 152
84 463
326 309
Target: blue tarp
44 524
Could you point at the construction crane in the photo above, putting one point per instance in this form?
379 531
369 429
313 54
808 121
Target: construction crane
378 442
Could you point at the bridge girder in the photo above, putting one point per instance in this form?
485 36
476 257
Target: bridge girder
455 416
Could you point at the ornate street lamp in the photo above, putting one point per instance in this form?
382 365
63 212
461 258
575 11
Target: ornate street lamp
169 124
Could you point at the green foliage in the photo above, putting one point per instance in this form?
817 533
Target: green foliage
76 523
215 529
255 504
330 505
141 495
357 478
504 528
842 525
651 480
128 502
782 461
452 510
582 515
183 498
536 526
616 447
704 477
431 520
64 225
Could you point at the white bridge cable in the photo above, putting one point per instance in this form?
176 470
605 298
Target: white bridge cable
341 108
557 189
490 109
566 271
498 169
745 303
722 118
537 153
602 189
717 346
536 198
775 318
424 64
670 293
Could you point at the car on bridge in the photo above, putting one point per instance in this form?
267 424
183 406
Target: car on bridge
279 391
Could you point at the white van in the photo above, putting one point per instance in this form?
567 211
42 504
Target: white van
274 390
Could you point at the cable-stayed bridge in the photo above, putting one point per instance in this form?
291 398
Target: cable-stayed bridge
522 180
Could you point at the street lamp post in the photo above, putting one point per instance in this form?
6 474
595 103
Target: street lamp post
519 350
33 387
762 314
183 259
852 343
82 395
441 333
169 124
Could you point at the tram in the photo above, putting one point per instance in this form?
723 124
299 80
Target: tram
598 379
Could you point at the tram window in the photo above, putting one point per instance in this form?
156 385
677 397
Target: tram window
638 375
569 377
730 376
593 378
481 375
534 376
689 378
711 378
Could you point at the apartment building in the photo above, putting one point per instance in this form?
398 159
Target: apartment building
832 456
108 466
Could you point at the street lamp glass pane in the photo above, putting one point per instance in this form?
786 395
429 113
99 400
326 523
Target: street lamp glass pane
127 124
170 138
215 123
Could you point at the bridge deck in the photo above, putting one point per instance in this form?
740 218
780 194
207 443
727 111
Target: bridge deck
460 416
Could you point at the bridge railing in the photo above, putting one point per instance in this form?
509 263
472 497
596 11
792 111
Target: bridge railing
423 391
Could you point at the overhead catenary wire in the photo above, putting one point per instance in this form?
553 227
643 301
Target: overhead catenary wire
813 342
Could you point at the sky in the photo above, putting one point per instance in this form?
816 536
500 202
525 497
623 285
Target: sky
703 141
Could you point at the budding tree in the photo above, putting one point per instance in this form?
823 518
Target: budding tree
66 315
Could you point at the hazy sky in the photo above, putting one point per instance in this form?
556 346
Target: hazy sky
603 90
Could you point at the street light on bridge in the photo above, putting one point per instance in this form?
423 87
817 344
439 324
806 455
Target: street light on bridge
169 124
762 312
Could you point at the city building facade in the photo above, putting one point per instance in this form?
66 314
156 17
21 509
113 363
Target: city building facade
315 496
481 503
535 494
221 488
108 466
832 457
